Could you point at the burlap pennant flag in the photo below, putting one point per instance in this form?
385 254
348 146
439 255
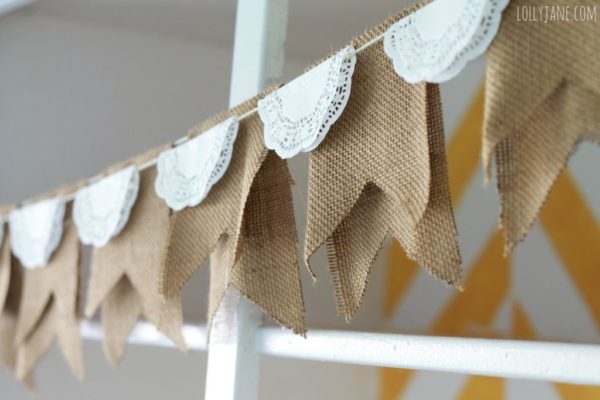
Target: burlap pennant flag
10 295
247 224
5 267
382 170
49 308
125 272
542 99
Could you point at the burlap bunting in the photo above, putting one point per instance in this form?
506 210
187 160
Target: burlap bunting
125 273
10 296
542 99
49 307
382 170
246 226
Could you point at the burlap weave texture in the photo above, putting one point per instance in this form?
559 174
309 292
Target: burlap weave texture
246 226
382 170
542 99
11 283
49 308
125 273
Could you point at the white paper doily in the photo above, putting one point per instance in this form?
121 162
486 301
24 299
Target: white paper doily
435 43
36 230
187 172
298 115
101 210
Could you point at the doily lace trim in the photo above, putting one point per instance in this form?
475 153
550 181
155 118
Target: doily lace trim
186 173
425 46
298 116
36 230
101 210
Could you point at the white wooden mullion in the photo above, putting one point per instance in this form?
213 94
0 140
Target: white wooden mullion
521 359
258 57
259 48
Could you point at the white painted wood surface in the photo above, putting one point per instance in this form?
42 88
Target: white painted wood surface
233 368
258 57
146 334
546 361
8 6
522 359
259 48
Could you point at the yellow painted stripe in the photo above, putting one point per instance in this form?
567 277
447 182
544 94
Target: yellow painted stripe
392 382
577 392
575 237
482 387
521 326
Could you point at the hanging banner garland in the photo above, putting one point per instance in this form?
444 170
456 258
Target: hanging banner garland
10 297
5 272
377 168
49 308
435 43
125 273
246 225
298 116
102 209
187 172
542 99
382 170
36 231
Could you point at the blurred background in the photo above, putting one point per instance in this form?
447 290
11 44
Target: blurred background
87 83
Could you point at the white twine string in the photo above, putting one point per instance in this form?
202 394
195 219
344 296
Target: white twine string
152 162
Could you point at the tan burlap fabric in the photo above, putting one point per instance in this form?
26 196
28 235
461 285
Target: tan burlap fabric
11 283
542 99
125 273
246 226
382 170
49 308
5 267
